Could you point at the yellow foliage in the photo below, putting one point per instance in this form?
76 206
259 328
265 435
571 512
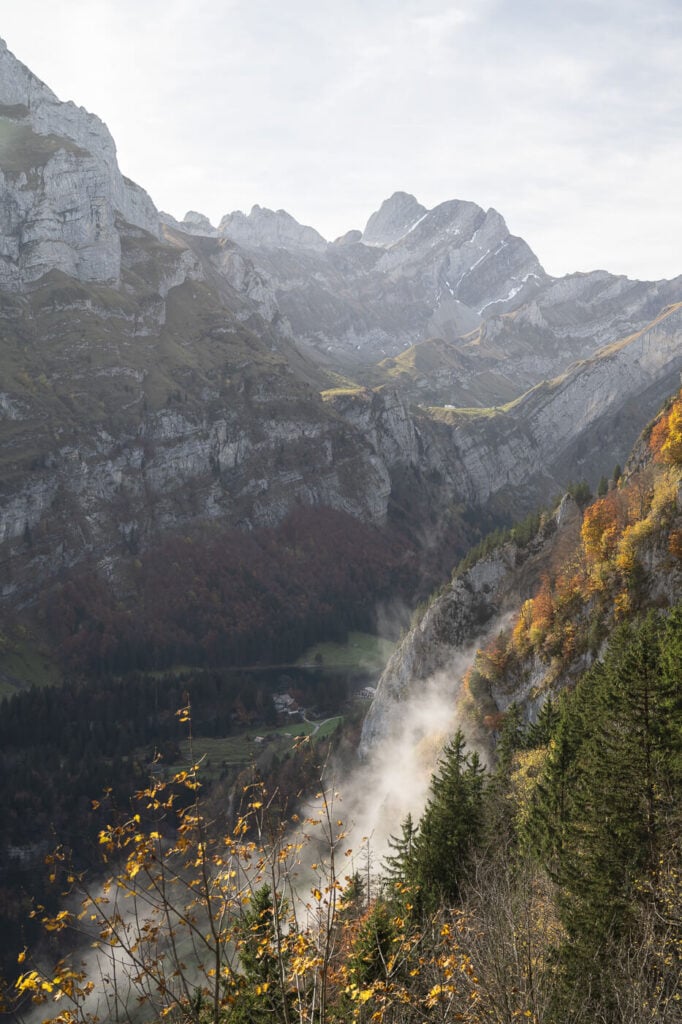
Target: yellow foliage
520 634
622 604
529 765
671 450
599 530
665 493
631 540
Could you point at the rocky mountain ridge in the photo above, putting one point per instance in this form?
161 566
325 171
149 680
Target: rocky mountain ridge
395 218
452 273
158 373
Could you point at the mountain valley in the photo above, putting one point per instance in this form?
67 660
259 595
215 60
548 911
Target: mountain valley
222 446
158 374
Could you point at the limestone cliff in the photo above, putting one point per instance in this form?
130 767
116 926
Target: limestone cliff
63 195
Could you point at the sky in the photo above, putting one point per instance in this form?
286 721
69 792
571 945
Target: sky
566 117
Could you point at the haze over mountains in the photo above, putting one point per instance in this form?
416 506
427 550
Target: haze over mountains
157 373
222 447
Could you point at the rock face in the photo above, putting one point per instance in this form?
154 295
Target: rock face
473 606
516 458
447 630
198 224
192 223
394 219
413 273
63 196
486 599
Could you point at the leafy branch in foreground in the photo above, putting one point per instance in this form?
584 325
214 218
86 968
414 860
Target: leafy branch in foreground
255 922
196 921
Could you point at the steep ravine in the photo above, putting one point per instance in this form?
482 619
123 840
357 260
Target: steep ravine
587 594
470 607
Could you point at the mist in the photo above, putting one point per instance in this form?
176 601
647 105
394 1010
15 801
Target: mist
394 777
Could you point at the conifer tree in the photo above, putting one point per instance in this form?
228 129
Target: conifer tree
511 739
373 947
542 729
451 822
610 795
399 864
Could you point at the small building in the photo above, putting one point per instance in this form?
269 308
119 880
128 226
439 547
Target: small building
366 693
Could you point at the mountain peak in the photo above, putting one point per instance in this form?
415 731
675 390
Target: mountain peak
197 224
62 186
18 85
393 220
269 229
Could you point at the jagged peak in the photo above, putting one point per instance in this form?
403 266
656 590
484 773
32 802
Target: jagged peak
198 224
264 228
349 237
18 84
395 218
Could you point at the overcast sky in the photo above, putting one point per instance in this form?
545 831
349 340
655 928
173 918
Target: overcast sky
564 116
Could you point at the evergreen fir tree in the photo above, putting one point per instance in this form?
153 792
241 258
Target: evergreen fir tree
399 864
610 793
540 731
451 822
511 739
373 946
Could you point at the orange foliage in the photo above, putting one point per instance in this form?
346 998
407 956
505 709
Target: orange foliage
569 641
571 586
493 658
665 440
520 633
658 436
622 605
675 544
599 531
543 606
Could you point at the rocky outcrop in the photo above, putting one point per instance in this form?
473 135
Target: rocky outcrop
485 601
198 224
384 420
63 199
193 223
270 229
